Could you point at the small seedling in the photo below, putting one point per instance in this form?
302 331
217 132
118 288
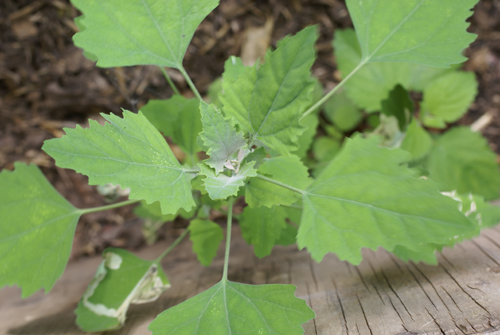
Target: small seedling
398 185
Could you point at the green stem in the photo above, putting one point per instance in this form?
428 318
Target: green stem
192 170
169 81
291 188
177 241
228 237
335 89
105 208
190 83
236 216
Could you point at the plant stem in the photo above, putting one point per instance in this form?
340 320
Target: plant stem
335 89
169 81
291 188
105 208
228 237
177 241
190 83
192 170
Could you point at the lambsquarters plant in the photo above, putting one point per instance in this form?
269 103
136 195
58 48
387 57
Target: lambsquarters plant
397 186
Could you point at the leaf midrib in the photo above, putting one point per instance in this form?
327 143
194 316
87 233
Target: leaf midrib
369 57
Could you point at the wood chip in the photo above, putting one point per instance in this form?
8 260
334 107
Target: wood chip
25 10
24 29
256 42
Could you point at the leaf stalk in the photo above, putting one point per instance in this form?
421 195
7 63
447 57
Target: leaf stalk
190 83
228 237
105 208
275 182
173 245
335 89
169 80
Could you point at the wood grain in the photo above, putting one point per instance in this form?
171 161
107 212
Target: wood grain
381 296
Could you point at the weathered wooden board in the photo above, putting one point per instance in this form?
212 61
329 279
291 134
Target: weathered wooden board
382 296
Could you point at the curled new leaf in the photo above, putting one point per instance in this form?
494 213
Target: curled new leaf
121 279
219 136
223 186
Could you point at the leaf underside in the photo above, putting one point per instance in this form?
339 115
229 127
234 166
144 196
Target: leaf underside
121 279
37 230
129 152
219 136
222 186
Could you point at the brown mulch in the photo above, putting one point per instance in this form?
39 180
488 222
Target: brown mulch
46 84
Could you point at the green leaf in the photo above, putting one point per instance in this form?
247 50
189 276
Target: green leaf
262 227
37 230
431 33
288 235
81 27
426 254
448 98
206 237
214 90
140 32
310 123
289 170
294 213
365 198
178 118
233 308
399 105
373 82
222 186
121 279
219 136
480 213
268 102
461 160
152 212
127 151
342 112
258 156
417 141
324 149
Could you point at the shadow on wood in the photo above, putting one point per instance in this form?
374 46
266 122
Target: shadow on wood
381 296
